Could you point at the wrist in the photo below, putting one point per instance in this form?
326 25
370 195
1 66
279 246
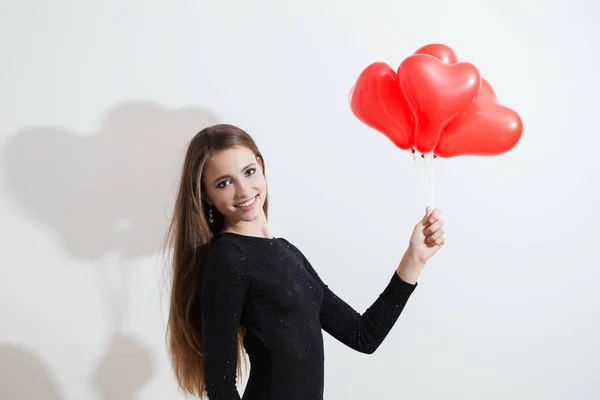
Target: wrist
412 257
410 267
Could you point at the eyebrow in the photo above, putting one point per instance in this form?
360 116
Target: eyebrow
226 176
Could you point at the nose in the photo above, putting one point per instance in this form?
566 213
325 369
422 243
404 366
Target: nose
242 190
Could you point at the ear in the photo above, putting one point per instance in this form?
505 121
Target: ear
205 197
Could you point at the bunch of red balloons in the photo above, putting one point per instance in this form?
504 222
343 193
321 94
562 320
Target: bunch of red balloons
435 104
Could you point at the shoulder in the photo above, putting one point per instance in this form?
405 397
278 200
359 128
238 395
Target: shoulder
224 245
301 257
291 246
225 255
225 272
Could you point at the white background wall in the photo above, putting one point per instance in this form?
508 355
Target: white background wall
98 98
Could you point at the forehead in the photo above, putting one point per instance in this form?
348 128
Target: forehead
229 161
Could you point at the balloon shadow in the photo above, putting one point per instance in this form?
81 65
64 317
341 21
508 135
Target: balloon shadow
106 197
123 370
104 192
24 376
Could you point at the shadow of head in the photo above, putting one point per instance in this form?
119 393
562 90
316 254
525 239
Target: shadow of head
109 191
24 376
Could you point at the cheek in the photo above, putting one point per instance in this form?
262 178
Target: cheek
221 197
260 181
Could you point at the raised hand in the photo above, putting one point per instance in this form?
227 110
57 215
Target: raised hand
428 236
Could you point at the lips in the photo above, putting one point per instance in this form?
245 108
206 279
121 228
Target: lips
247 203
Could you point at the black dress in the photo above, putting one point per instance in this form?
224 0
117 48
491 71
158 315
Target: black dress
270 288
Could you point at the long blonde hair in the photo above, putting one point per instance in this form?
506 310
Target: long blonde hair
186 243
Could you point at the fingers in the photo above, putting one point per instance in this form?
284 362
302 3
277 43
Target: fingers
436 237
429 214
425 219
432 228
430 217
434 231
434 215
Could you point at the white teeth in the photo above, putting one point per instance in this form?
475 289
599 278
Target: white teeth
246 204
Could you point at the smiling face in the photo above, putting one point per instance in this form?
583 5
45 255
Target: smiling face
235 185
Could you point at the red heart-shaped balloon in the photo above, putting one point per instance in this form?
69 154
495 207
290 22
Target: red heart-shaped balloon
436 92
377 100
440 51
486 128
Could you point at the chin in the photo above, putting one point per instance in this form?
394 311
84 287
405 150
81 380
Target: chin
252 219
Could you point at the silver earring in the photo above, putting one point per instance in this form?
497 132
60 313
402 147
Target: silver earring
210 215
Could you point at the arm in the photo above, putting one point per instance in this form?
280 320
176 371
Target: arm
366 332
224 286
363 333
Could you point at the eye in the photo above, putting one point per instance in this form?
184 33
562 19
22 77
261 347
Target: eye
223 183
250 171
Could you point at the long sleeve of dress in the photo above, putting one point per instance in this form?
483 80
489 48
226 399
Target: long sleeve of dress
224 286
366 332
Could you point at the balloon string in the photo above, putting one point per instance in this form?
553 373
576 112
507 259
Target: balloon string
429 187
114 277
427 176
417 175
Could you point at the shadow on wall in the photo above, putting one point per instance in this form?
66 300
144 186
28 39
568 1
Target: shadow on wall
123 370
24 376
107 197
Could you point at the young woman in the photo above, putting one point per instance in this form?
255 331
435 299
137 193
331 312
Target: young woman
235 287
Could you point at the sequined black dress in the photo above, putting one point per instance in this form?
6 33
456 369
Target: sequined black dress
270 288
